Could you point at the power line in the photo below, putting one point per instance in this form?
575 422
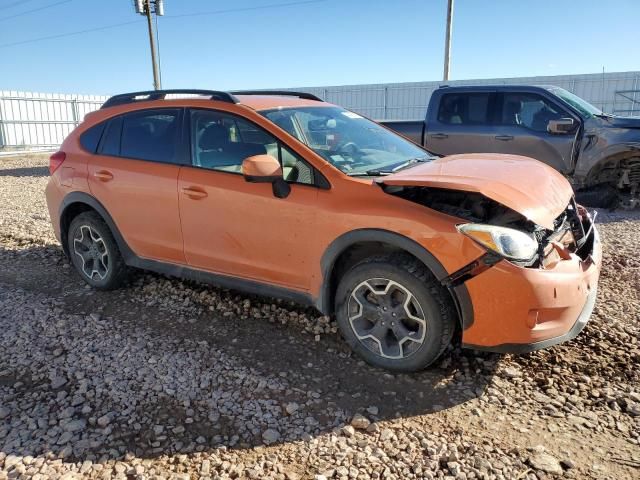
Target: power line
14 4
51 37
106 27
245 9
34 10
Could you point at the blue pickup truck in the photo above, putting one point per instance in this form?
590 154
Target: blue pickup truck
599 153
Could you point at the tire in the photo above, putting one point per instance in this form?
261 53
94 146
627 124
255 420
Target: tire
414 294
94 252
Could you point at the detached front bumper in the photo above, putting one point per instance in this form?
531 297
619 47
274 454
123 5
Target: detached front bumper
519 310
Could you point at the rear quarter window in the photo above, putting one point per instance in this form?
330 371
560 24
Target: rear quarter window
110 142
90 138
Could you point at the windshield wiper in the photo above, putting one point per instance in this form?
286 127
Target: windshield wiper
377 173
409 162
370 173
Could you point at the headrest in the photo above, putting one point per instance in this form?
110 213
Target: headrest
214 136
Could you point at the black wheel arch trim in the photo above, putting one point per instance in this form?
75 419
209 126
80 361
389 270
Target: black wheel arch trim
180 271
323 302
459 293
85 198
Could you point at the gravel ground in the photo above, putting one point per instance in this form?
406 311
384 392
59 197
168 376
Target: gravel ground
172 379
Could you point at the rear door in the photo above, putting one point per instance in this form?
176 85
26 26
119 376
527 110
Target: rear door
461 124
135 174
522 120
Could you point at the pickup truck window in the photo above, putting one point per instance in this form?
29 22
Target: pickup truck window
529 110
464 109
347 140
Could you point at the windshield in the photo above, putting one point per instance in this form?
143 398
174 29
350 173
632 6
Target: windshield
352 143
585 108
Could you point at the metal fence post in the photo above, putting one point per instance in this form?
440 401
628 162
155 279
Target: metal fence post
635 89
384 103
1 124
74 106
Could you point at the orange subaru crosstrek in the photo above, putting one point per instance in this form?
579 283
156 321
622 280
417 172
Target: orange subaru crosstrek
284 195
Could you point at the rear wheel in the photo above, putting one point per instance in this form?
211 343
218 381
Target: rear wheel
94 252
394 314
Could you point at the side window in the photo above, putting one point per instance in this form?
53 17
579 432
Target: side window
151 135
221 141
90 137
110 142
464 109
529 111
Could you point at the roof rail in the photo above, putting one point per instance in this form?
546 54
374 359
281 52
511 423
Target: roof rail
286 93
132 97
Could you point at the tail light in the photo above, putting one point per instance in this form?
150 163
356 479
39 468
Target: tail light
55 161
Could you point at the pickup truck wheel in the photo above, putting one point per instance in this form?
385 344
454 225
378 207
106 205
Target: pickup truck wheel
94 252
394 314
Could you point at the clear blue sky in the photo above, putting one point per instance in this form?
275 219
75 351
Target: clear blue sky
330 42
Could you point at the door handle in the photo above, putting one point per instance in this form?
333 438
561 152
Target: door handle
439 136
194 192
504 138
103 175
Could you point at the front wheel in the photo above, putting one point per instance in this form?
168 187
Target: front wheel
394 313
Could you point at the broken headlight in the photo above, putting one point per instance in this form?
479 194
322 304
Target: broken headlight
509 243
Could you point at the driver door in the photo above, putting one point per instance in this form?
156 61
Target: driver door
523 120
237 228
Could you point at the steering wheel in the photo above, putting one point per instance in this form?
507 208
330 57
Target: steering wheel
349 148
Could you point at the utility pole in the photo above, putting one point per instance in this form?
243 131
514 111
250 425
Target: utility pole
143 7
447 41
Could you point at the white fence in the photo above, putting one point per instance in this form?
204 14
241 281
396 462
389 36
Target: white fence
35 121
41 121
615 92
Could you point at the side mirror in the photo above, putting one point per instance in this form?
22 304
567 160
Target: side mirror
266 169
563 125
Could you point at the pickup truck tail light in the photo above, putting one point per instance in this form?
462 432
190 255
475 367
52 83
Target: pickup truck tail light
56 160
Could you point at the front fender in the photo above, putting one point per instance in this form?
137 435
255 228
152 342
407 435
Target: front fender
324 302
602 152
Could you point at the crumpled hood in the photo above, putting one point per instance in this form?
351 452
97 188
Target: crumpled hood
527 186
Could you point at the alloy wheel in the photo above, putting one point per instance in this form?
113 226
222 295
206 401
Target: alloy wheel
387 318
92 250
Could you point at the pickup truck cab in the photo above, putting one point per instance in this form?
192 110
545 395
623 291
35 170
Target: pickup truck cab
550 124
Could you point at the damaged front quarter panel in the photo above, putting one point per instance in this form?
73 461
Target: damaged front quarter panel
534 190
566 236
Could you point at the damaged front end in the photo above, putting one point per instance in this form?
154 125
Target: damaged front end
504 232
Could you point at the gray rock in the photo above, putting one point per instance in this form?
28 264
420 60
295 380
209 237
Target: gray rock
387 434
348 431
360 422
104 420
270 436
58 382
75 425
545 462
292 408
